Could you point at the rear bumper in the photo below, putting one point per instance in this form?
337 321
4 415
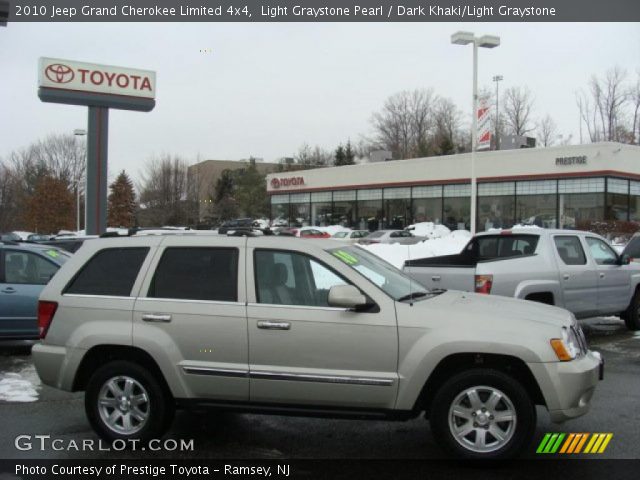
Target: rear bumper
56 365
568 386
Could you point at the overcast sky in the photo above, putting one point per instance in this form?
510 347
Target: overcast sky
264 89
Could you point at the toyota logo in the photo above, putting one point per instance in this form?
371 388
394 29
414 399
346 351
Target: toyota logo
275 183
59 73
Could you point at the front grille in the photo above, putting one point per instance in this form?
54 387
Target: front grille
582 340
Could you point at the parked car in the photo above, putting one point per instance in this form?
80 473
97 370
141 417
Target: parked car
10 237
403 237
24 270
147 324
243 223
350 236
69 244
38 237
302 232
575 270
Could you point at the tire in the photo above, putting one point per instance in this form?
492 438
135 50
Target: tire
148 407
457 391
631 316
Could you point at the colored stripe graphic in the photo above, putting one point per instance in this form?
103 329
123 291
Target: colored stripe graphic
574 443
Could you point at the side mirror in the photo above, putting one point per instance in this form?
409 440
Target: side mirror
624 259
346 296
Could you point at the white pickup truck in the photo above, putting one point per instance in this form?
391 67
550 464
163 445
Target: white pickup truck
572 269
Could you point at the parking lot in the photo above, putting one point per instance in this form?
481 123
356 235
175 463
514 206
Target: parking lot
44 411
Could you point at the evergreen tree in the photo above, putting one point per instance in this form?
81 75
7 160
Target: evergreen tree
226 206
339 157
349 154
251 192
121 202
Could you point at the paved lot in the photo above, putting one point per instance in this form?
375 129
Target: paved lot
615 409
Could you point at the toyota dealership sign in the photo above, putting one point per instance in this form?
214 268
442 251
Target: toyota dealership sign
101 79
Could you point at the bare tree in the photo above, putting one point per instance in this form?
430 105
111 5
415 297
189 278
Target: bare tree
312 157
517 110
602 107
405 123
547 131
9 204
163 191
634 98
447 134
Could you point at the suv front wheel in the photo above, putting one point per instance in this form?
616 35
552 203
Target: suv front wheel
483 413
124 401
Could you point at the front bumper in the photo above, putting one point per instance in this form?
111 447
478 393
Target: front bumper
567 387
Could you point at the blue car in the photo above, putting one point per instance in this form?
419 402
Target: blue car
24 271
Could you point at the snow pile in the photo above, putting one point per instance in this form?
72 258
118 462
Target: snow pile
397 254
21 386
429 230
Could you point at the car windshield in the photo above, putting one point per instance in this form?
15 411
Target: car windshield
57 255
384 275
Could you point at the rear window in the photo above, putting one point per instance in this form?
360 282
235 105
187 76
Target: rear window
111 271
195 273
570 250
505 246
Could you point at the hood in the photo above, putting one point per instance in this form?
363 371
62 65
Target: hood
495 308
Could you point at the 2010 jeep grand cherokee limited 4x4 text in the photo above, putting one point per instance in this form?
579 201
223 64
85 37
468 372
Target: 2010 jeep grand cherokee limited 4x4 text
279 325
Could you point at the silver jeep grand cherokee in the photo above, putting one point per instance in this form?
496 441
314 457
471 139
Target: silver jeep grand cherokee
266 324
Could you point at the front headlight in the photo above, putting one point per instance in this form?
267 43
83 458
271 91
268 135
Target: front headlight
568 347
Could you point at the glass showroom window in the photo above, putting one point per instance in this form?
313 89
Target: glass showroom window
426 205
344 208
537 203
457 207
634 201
321 209
279 210
397 204
496 205
617 207
581 202
300 209
370 210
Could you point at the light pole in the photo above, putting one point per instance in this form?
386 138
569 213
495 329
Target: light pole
486 41
497 79
79 132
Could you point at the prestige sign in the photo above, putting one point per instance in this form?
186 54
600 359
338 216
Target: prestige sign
93 78
578 160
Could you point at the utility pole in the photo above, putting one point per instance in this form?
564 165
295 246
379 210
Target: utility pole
497 79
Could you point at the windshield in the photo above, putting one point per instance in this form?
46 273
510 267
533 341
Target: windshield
384 275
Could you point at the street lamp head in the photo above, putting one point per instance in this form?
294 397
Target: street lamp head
497 78
462 38
488 41
79 131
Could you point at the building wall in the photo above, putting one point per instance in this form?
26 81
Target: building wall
204 175
566 187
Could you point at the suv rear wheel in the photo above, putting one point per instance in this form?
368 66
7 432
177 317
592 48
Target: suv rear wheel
483 413
125 401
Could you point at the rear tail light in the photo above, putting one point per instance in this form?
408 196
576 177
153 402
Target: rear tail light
484 283
46 311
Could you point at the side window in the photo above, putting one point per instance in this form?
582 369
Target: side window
289 278
633 249
601 252
111 271
570 250
196 273
27 268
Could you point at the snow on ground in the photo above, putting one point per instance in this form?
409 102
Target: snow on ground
397 254
21 385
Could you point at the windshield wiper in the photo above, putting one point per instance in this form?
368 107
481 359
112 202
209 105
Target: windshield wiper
412 296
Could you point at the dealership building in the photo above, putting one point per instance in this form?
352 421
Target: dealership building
556 187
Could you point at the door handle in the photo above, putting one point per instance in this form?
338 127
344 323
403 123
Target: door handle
267 325
601 275
9 290
566 276
436 278
153 317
